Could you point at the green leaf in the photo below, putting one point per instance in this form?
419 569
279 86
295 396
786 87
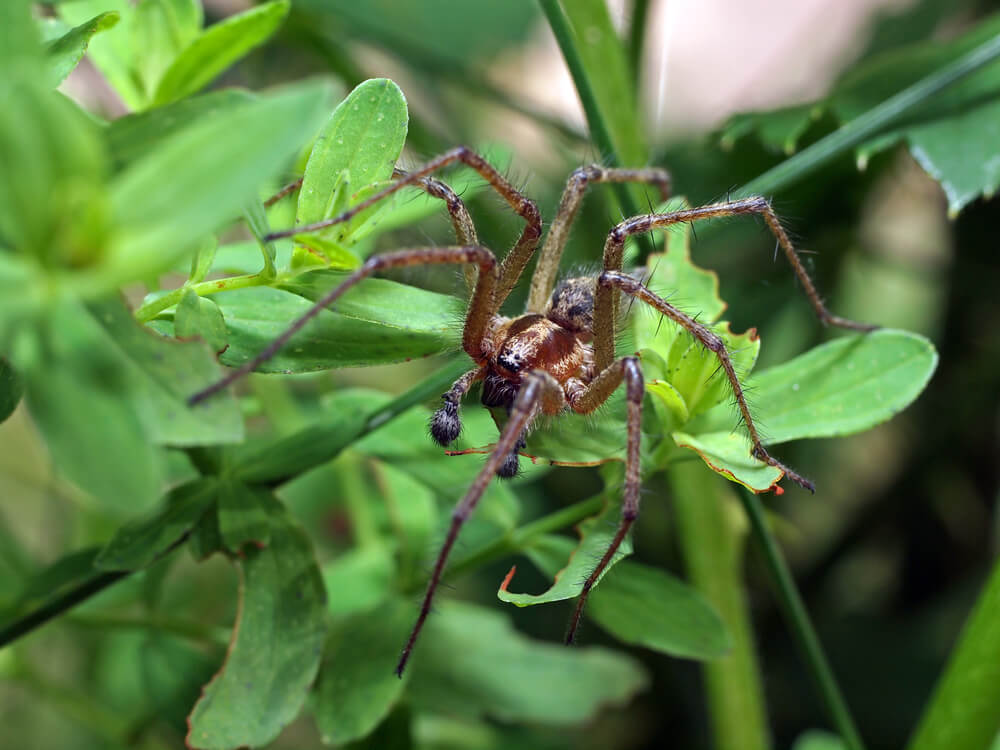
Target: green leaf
256 218
52 198
644 606
255 317
357 688
244 516
52 582
134 136
161 29
162 374
595 536
358 580
359 145
471 662
200 317
95 437
218 47
112 52
607 67
11 389
844 386
962 713
140 543
203 175
276 648
815 739
65 53
728 453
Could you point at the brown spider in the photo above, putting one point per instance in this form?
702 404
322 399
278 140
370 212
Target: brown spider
560 353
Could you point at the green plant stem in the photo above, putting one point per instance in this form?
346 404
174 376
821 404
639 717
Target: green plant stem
964 712
871 122
712 546
151 309
79 593
599 131
637 39
520 538
189 629
800 625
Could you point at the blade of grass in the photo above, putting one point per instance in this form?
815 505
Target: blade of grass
622 146
870 123
800 625
712 547
963 714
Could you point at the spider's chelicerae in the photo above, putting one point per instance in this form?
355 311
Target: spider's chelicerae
560 354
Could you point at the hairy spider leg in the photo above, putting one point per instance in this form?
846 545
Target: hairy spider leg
461 221
537 389
544 278
515 260
599 390
477 319
614 249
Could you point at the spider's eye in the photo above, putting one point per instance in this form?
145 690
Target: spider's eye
510 362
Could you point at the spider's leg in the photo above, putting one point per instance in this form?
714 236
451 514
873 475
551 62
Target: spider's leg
445 424
611 280
544 277
514 262
615 245
477 319
531 395
596 394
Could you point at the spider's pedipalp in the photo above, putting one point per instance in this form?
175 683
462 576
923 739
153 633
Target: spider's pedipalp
445 424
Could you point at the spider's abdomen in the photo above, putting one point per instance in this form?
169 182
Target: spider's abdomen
531 342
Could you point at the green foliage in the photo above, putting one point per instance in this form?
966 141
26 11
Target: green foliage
328 501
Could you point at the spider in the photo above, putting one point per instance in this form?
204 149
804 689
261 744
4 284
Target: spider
558 355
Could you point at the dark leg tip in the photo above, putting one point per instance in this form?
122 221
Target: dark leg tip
510 467
445 424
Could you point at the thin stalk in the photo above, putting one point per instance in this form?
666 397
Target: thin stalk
599 132
79 593
637 40
520 538
871 122
712 544
151 309
802 630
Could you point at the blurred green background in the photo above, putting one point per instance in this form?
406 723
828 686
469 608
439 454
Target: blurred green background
889 554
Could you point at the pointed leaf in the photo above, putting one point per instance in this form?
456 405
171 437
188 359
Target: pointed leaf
842 387
140 543
471 662
244 516
595 535
357 688
276 648
200 317
65 53
215 166
255 317
163 374
645 606
728 454
218 47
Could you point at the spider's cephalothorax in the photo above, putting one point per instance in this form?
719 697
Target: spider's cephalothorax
557 342
560 354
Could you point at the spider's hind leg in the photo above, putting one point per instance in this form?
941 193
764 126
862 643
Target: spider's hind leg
445 424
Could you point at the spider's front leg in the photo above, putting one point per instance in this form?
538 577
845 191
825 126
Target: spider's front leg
538 391
611 280
445 424
477 319
596 393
